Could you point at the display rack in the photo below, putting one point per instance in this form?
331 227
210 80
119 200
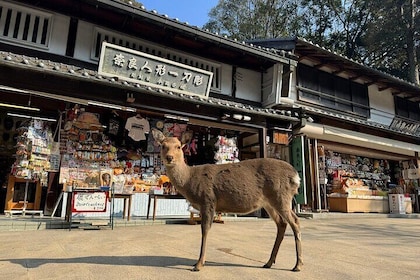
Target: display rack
16 206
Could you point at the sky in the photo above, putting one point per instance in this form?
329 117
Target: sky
195 12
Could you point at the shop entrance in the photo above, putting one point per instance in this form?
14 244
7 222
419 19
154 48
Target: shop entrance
354 179
94 141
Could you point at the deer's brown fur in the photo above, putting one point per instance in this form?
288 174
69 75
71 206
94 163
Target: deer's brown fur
234 188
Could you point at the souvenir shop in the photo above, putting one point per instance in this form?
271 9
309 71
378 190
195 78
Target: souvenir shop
364 179
96 148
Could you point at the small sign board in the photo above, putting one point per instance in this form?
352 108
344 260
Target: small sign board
280 138
90 201
144 69
405 126
298 162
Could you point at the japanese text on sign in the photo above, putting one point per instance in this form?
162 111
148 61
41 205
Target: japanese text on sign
145 69
89 201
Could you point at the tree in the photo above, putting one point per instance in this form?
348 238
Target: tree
253 19
383 34
392 39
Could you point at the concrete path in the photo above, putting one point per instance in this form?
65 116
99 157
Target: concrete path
351 248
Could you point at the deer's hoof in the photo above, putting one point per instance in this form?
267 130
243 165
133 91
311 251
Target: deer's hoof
267 265
296 269
196 268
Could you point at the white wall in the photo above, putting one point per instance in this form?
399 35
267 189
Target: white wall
226 76
59 34
248 84
382 105
84 41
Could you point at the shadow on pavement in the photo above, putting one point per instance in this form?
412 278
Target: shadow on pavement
151 261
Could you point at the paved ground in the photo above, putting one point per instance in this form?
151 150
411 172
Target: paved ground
350 248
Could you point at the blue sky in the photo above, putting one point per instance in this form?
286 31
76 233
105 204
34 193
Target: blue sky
192 11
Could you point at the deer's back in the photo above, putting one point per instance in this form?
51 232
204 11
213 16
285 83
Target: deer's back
248 181
259 167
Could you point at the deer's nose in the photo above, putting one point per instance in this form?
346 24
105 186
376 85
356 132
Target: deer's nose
169 158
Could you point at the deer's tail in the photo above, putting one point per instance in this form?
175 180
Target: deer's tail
295 182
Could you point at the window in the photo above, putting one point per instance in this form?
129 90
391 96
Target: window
24 26
407 109
332 92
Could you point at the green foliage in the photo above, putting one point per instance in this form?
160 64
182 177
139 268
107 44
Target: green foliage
252 19
382 34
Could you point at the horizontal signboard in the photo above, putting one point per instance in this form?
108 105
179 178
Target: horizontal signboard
141 68
405 126
90 201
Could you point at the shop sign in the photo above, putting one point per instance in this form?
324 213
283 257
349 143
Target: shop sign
280 138
298 162
94 201
148 70
405 126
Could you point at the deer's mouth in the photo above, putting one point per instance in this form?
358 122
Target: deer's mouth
169 163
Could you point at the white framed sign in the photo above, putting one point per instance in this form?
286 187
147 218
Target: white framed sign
149 70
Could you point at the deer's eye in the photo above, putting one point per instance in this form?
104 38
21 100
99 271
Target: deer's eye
178 147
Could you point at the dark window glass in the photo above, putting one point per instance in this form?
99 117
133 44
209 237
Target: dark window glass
26 27
407 109
44 32
35 31
331 91
17 25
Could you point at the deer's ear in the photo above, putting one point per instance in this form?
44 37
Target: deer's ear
158 135
186 137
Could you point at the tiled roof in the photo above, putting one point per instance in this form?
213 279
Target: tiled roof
370 75
240 45
355 120
55 68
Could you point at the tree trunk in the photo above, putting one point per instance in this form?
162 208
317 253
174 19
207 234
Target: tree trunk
411 49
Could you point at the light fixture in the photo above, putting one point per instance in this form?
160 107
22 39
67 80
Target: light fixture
19 107
240 117
283 129
178 118
105 105
129 109
112 106
31 117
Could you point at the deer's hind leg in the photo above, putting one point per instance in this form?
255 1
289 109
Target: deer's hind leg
292 219
281 229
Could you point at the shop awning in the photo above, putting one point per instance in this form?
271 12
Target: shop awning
333 134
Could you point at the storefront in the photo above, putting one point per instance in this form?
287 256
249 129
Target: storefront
93 147
357 172
92 142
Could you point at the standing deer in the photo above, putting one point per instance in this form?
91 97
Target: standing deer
241 187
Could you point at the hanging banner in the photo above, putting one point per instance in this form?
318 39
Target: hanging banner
144 69
298 162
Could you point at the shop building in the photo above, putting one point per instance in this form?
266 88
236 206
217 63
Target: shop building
363 137
67 122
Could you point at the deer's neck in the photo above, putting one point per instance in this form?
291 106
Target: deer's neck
178 174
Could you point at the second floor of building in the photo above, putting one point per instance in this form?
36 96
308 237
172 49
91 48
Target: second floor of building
283 73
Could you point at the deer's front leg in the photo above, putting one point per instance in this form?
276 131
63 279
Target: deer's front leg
206 222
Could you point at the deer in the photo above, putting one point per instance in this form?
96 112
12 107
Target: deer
240 188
